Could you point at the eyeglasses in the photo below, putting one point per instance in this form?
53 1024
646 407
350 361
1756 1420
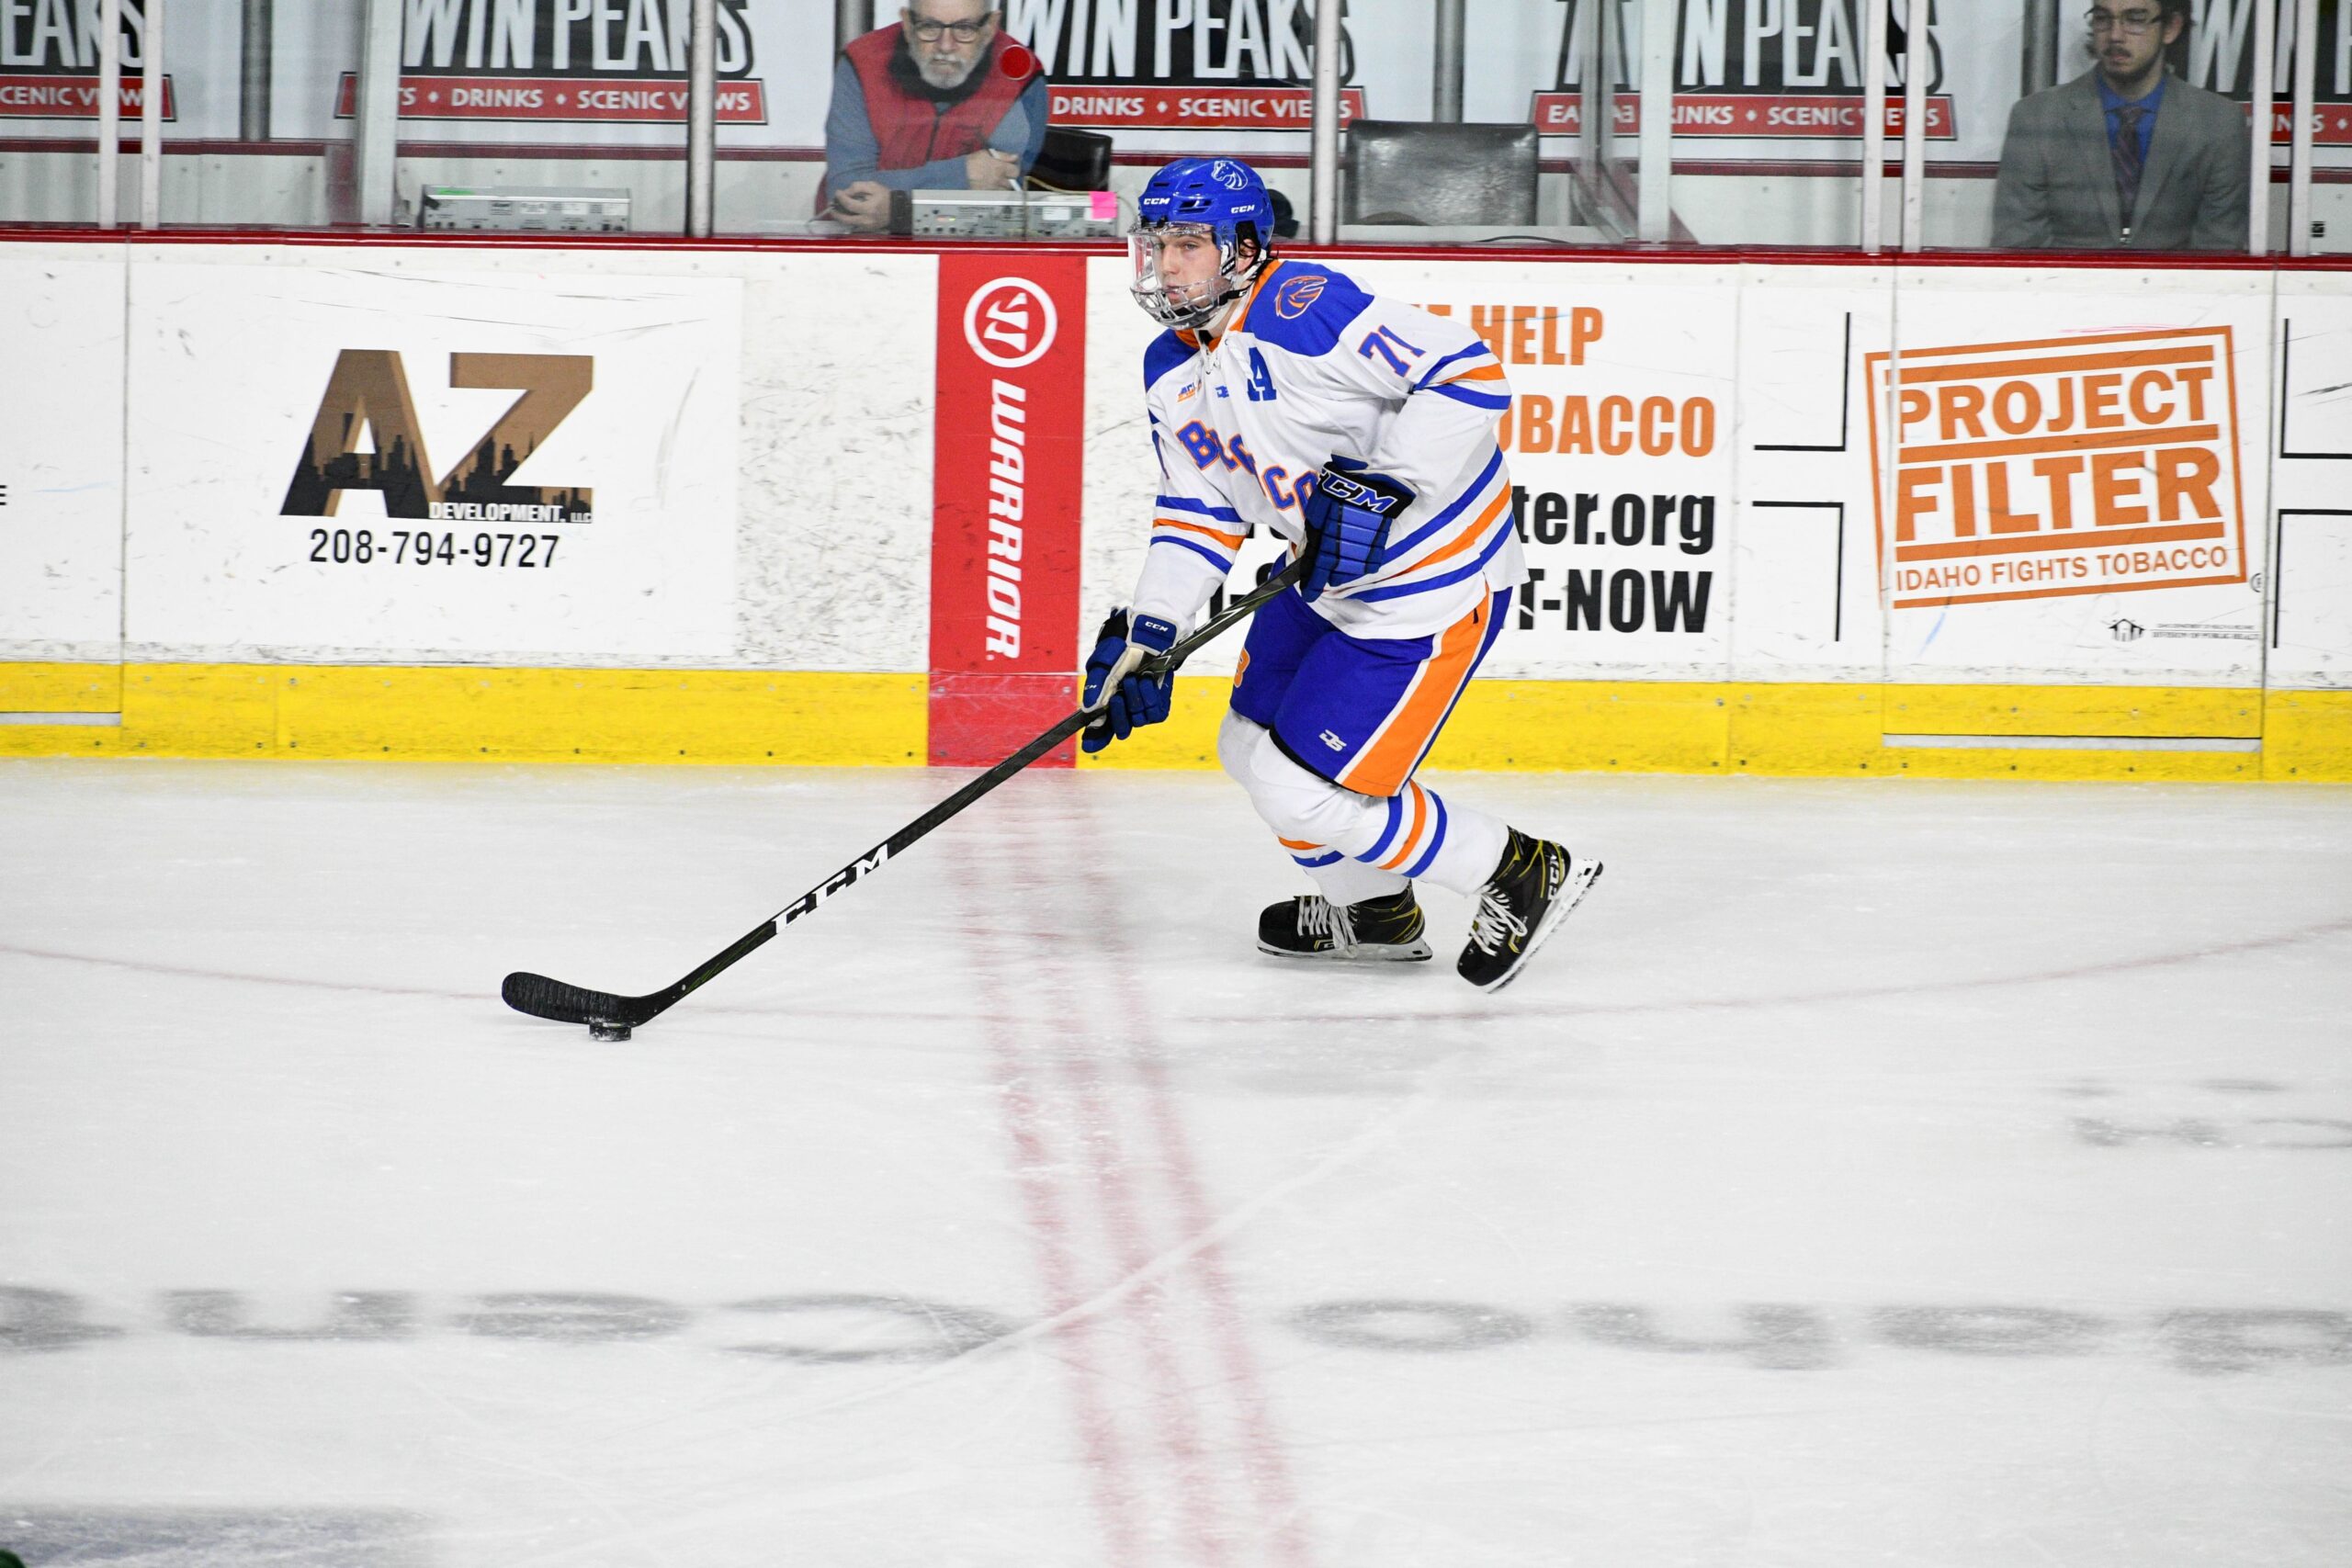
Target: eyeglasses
926 30
2128 22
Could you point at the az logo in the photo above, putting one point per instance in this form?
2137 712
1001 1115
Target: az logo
368 393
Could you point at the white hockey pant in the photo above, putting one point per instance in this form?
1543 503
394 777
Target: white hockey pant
1360 846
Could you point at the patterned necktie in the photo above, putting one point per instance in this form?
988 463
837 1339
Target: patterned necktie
2124 150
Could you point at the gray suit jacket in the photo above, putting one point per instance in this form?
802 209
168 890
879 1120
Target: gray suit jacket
2057 186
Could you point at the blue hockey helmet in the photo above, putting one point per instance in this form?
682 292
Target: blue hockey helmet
1217 199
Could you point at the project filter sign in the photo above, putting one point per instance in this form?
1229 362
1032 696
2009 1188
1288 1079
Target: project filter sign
333 459
2102 463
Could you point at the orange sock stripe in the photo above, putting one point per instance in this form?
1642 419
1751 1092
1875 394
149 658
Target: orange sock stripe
1418 821
1385 766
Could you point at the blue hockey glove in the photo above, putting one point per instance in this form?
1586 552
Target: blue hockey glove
1126 698
1348 521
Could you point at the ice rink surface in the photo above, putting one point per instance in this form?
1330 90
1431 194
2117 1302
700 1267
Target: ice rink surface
1887 1173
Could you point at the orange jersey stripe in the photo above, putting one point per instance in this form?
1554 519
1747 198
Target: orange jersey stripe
1475 373
1473 535
1383 767
1298 844
1230 541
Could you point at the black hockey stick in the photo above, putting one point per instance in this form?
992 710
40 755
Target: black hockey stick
611 1017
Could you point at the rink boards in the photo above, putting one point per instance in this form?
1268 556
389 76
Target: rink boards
865 506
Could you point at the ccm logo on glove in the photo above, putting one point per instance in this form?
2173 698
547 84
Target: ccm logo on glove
1348 519
1115 681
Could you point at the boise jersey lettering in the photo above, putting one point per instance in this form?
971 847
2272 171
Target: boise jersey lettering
1311 368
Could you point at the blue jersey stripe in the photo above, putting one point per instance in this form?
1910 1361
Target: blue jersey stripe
1330 857
1224 563
1472 352
1437 838
1399 590
1181 503
1475 400
1477 488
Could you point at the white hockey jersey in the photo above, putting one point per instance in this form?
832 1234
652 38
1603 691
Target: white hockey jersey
1312 366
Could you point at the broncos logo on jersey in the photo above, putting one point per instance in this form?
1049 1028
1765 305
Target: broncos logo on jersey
1293 299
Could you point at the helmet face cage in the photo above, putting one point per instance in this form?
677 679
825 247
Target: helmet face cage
1218 200
1188 304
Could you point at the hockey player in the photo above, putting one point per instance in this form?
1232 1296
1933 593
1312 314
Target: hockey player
1363 432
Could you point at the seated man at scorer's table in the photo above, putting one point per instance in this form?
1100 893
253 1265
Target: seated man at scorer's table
939 100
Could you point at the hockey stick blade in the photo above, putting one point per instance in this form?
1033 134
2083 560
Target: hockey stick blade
564 1003
611 1016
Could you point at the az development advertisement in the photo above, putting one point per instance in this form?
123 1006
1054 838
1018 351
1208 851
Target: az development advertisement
412 462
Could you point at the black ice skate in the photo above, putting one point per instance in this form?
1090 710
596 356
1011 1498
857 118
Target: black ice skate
1378 930
1533 887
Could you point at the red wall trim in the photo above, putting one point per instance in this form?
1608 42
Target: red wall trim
1755 255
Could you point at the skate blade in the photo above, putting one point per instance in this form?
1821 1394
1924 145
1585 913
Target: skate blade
1582 875
1364 952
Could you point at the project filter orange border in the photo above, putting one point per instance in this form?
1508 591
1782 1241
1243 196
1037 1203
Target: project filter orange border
2120 351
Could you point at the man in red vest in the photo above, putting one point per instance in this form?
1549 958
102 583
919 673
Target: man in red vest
936 101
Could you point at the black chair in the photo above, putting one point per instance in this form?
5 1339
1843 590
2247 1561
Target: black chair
1072 160
1409 172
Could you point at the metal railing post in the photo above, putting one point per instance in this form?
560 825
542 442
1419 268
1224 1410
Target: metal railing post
852 19
1446 87
252 72
1915 58
378 131
1323 188
2265 112
109 113
2040 45
1655 218
1874 128
151 119
2299 157
702 118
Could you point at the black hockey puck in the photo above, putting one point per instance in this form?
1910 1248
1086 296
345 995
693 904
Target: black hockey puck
608 1031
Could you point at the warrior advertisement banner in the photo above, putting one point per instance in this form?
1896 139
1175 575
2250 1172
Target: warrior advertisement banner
454 464
1008 479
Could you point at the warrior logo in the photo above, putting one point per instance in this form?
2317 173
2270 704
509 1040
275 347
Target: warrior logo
1009 323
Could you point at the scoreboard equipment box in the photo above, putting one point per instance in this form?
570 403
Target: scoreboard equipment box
554 209
1005 214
